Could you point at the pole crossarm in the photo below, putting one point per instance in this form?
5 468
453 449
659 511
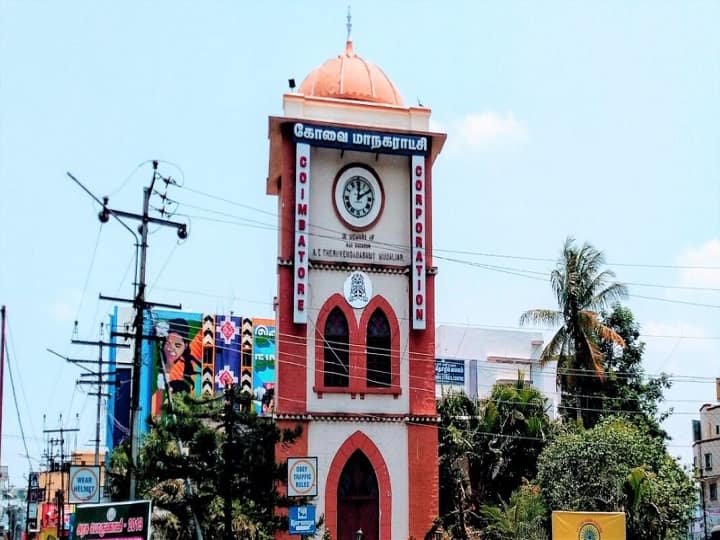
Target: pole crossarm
102 378
133 300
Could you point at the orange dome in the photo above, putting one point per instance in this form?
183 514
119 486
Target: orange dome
350 77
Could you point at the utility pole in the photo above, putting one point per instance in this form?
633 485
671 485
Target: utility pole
139 302
60 494
100 381
229 425
2 371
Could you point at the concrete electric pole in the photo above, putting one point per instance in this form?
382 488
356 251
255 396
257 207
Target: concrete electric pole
139 302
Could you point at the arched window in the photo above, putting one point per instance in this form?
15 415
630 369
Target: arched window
336 350
379 345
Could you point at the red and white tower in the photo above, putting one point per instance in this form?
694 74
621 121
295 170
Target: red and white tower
352 168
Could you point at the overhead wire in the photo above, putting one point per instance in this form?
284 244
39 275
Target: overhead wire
527 329
301 362
529 274
127 179
17 407
11 344
164 266
292 339
521 272
469 252
439 426
89 272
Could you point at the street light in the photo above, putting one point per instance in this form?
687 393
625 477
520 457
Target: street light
359 535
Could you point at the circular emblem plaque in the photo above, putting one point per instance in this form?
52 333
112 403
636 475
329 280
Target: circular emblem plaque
358 290
589 531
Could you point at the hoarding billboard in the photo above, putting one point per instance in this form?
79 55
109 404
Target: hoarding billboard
112 521
588 525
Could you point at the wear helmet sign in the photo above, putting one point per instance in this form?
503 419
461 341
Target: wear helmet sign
84 485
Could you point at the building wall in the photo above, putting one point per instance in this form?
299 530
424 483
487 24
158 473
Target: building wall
348 112
492 356
709 474
394 427
390 438
394 289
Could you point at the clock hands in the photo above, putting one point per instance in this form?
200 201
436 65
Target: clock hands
359 198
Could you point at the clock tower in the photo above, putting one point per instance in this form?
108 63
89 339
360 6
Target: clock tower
351 166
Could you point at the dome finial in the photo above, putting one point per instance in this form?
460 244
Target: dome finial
349 24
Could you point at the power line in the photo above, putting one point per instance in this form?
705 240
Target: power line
89 272
15 401
11 341
207 294
477 253
529 274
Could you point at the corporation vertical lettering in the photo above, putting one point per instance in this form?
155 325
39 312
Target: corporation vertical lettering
417 273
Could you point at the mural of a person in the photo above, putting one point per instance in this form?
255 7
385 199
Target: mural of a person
265 396
178 363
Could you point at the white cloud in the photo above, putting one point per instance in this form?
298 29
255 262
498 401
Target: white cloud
706 255
65 306
681 348
490 128
683 329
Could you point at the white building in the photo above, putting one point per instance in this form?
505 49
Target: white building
475 359
706 458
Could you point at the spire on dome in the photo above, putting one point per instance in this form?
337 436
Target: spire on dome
348 76
349 24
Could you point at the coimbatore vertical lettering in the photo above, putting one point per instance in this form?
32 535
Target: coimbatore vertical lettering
302 204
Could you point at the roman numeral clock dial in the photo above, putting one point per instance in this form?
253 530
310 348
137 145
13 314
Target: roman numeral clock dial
358 197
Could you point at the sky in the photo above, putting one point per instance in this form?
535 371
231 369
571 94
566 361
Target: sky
599 121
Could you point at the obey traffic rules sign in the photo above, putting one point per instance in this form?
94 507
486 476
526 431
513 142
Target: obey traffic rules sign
302 477
84 485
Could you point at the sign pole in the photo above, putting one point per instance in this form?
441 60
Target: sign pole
27 506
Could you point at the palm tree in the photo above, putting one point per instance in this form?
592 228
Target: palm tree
582 288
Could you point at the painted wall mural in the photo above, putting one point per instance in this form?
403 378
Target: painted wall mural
201 354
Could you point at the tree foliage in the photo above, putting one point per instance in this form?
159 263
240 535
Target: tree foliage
187 459
626 390
582 288
487 449
524 517
617 466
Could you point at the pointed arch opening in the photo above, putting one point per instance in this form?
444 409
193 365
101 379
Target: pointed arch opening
355 458
358 498
336 350
379 348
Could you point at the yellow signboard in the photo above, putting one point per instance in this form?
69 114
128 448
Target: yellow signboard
588 525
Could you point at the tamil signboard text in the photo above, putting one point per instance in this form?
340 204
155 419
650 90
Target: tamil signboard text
301 520
449 371
113 521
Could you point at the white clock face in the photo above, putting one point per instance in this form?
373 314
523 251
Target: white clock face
358 197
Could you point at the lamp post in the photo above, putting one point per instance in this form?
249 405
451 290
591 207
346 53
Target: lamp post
359 535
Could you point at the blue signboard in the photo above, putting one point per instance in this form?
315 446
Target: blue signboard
302 520
449 371
361 140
